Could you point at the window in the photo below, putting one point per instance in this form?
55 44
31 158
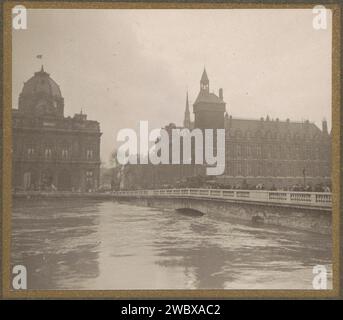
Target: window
65 154
30 152
239 169
89 154
248 170
47 153
248 151
239 151
258 151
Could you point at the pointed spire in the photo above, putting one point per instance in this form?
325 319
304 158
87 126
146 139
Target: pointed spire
204 82
42 69
204 77
187 119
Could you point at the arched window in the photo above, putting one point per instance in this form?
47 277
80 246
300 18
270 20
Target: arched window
89 154
30 152
65 154
47 153
65 150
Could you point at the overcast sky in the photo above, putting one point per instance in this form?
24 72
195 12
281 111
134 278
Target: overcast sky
122 66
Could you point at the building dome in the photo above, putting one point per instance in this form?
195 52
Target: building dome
41 83
41 96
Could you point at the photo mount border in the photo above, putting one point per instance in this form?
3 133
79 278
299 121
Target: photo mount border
6 200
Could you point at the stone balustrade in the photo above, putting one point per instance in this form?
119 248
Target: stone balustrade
310 199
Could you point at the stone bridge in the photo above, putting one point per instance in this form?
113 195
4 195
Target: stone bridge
310 211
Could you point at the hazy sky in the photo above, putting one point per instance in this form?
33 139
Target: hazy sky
122 66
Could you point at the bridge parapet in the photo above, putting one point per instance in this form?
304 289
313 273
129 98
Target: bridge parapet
304 199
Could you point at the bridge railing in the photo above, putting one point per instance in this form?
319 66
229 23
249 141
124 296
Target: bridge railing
319 199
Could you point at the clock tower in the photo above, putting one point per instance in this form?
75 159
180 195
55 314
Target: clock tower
208 108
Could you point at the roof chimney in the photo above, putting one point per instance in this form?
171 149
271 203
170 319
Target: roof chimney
221 94
325 126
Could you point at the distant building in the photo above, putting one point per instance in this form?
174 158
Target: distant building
264 151
51 151
277 152
257 151
268 151
187 123
274 152
208 108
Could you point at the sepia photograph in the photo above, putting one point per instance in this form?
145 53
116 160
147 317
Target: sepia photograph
172 149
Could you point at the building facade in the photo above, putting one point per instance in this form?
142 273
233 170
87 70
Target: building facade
264 151
268 152
280 153
51 151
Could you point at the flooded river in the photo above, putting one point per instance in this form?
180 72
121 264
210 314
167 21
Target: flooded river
85 244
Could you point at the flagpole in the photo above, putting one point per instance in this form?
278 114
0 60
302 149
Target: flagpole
39 56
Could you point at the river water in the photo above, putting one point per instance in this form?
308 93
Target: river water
84 244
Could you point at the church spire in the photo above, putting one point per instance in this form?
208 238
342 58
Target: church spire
187 120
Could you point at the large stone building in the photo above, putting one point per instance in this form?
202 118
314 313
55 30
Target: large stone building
280 153
258 152
51 151
265 151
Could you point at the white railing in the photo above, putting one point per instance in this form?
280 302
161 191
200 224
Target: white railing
317 199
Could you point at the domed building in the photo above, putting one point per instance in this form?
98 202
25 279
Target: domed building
51 151
41 96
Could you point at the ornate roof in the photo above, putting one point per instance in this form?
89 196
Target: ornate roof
41 83
204 77
264 126
207 97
